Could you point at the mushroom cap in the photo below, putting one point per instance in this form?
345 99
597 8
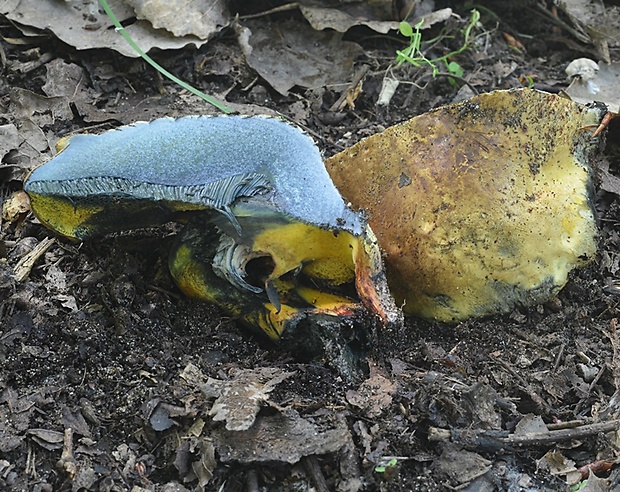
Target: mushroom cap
478 206
199 162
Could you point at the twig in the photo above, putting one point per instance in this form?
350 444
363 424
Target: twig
24 266
282 8
344 97
314 470
560 435
67 460
556 20
496 439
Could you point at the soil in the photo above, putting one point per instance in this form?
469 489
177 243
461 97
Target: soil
101 355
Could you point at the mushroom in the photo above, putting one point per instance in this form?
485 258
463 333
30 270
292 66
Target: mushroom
269 237
479 206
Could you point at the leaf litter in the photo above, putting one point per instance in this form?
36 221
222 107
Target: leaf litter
449 393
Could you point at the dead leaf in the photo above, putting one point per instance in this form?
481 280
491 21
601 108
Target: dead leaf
239 400
9 139
160 413
284 437
84 25
67 301
480 402
594 22
602 86
34 143
201 18
203 468
43 111
15 206
374 395
63 79
555 463
56 279
48 439
9 441
609 182
85 478
340 20
596 484
75 421
192 375
462 466
530 424
291 54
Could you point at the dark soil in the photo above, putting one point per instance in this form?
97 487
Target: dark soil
98 336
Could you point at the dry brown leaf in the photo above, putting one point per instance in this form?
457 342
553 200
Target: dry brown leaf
9 139
293 54
462 466
374 395
240 399
203 467
602 86
48 439
594 22
201 18
63 79
15 206
530 424
345 17
284 437
340 20
84 25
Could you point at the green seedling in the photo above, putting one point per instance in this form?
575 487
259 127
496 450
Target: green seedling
121 30
413 54
578 486
383 468
530 81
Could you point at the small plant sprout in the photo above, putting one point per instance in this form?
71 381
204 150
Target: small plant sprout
382 468
413 54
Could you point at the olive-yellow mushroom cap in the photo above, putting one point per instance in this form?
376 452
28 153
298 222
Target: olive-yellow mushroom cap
479 206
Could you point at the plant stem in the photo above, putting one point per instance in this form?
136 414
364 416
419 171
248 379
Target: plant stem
121 30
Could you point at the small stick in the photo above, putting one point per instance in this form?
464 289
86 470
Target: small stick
560 435
346 94
25 265
471 439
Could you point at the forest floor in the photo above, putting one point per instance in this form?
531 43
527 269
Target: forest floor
104 363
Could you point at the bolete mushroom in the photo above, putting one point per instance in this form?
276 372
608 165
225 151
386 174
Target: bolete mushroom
269 237
479 206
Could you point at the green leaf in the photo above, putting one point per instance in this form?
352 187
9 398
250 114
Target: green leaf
405 29
455 69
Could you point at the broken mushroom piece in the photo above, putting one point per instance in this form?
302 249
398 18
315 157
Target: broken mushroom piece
269 237
479 206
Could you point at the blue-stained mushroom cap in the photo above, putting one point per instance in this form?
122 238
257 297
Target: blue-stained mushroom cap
204 161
